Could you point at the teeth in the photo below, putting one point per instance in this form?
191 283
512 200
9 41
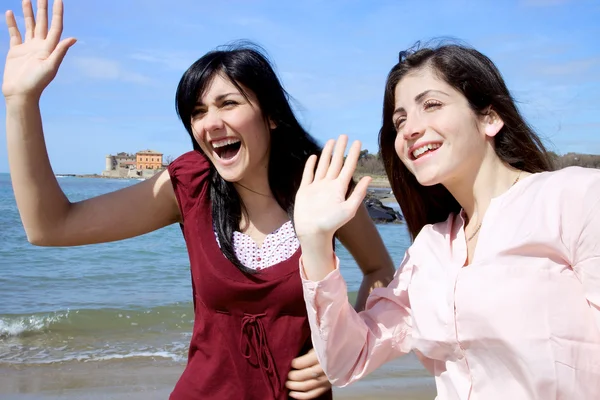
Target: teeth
423 149
225 142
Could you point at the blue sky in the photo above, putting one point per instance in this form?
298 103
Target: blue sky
115 89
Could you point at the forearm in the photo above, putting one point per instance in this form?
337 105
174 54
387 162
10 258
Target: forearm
41 202
351 345
376 279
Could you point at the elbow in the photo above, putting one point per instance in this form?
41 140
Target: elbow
39 239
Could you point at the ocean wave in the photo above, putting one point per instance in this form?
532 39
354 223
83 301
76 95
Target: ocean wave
30 355
96 322
28 324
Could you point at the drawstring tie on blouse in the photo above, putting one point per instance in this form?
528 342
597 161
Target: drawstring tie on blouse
254 340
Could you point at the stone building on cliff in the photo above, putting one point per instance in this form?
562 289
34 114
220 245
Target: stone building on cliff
143 164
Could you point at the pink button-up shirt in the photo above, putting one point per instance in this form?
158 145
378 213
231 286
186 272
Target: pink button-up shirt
522 321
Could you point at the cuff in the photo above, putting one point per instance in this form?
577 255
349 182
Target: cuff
324 297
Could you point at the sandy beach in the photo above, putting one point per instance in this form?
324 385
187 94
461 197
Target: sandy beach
154 379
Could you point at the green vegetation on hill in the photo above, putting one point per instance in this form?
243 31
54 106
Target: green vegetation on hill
575 159
371 164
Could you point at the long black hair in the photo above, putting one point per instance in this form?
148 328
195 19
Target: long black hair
246 64
477 78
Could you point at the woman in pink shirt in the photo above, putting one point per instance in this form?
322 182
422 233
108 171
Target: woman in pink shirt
499 293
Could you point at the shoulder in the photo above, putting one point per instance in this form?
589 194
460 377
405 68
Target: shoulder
189 174
192 161
569 177
570 187
567 199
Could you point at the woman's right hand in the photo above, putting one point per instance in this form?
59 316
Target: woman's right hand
33 61
321 206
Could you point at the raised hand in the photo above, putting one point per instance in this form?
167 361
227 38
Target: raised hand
321 206
31 64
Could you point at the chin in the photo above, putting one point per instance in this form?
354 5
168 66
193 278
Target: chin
427 179
230 176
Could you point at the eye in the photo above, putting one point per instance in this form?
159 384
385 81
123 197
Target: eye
198 112
431 104
229 103
399 122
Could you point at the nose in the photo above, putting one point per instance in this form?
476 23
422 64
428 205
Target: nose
212 121
413 128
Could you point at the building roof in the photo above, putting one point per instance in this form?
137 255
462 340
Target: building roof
149 152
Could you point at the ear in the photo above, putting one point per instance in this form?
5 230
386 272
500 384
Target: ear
272 124
492 123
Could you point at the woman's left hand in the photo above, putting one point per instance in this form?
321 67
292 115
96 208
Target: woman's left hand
307 380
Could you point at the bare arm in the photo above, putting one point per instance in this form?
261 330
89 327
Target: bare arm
362 240
49 218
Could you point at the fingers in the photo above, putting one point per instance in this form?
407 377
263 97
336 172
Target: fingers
300 375
56 26
350 163
13 29
324 160
337 161
358 194
307 380
306 361
309 171
60 51
29 19
303 391
41 24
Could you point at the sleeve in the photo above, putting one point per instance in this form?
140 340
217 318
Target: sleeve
350 345
189 175
586 263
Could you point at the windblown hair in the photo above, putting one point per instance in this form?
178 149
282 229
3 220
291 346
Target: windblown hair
477 78
290 145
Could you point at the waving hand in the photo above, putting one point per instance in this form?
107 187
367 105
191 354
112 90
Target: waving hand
32 62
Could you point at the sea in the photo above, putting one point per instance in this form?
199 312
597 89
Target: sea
121 300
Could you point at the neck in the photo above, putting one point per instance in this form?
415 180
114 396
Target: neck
262 210
476 188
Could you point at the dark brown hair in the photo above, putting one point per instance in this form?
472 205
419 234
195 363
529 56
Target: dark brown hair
245 63
477 78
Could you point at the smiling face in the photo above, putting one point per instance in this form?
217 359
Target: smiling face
231 130
439 136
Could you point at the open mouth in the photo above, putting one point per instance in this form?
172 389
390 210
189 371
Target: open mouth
226 149
424 150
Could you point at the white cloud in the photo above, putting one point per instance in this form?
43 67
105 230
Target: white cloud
173 61
106 69
249 21
575 67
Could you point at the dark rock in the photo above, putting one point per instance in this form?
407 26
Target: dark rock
380 213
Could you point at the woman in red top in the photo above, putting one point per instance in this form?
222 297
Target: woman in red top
251 336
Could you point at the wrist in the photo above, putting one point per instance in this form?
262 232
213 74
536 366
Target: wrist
315 239
21 100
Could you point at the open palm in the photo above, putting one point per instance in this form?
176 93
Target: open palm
31 64
321 207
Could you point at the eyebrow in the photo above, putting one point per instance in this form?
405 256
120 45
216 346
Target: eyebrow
219 98
419 98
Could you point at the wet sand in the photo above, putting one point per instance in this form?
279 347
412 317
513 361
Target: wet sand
154 379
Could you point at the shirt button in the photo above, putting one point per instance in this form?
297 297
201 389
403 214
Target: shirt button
258 258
